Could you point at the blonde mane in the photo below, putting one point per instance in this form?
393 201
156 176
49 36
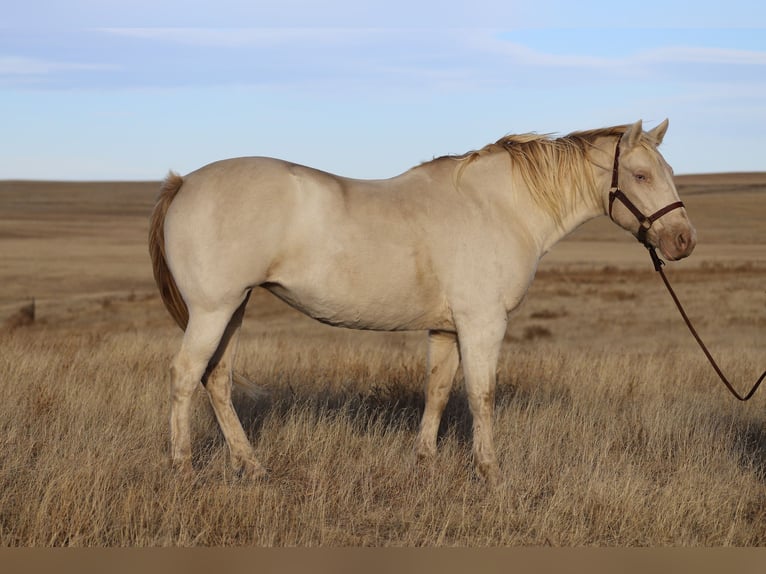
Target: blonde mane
555 170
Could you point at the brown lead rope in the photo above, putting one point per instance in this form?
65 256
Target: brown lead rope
658 263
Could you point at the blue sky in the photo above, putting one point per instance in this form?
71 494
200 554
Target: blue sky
110 89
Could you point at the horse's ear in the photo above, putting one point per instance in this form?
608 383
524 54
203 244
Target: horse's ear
658 133
632 136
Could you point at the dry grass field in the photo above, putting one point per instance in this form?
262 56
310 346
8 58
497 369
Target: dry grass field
611 428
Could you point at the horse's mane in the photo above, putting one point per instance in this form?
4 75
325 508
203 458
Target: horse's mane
555 169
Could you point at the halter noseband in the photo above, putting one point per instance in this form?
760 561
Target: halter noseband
644 222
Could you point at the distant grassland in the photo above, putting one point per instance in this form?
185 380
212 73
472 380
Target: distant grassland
611 430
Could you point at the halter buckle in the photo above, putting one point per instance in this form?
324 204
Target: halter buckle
645 223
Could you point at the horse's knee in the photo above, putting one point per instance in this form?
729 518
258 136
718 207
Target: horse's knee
183 379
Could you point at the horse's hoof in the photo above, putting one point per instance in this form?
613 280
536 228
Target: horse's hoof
252 471
182 467
490 474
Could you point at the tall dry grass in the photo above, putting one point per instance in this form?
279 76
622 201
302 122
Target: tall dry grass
597 448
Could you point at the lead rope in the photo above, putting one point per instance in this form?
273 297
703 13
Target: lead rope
658 264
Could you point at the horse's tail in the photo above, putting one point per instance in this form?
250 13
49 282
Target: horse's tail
169 292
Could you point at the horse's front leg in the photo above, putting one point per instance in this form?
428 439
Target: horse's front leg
480 341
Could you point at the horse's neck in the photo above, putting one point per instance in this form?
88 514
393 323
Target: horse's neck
490 181
580 205
583 209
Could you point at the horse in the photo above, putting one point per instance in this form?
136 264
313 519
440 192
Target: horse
450 247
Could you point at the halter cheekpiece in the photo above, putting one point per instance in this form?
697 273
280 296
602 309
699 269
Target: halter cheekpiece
644 222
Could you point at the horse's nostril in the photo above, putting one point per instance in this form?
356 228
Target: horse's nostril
682 241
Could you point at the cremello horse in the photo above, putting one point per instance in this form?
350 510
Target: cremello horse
451 247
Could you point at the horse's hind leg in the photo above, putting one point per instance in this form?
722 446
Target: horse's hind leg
202 338
443 361
218 386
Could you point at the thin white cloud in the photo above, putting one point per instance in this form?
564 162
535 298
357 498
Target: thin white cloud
20 66
249 37
525 56
462 41
385 58
522 55
704 55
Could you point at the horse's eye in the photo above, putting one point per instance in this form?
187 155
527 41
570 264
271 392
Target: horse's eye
640 177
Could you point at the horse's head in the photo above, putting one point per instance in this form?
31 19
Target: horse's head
643 198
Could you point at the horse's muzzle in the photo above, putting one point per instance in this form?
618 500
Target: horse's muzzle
677 243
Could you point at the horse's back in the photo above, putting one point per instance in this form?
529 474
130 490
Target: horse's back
229 196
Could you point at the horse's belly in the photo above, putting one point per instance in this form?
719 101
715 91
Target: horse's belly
374 309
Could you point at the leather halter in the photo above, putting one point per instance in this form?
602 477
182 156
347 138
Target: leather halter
644 222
